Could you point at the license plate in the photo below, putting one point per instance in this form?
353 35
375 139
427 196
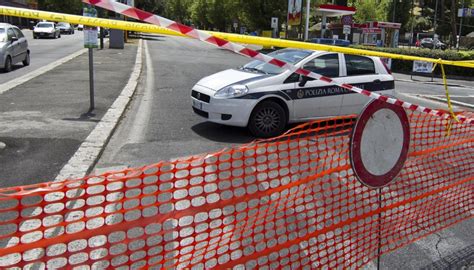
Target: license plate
197 104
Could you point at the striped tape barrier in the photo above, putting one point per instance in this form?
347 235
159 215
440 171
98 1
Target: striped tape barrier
141 27
237 48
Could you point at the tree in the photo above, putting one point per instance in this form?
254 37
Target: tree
218 15
258 13
177 10
62 6
199 14
153 6
371 10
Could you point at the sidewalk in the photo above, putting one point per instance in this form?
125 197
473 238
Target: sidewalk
44 120
437 81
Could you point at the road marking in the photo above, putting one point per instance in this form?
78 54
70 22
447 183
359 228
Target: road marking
90 150
23 79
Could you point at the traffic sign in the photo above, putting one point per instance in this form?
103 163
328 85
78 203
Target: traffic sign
346 20
274 23
346 29
380 143
90 32
466 12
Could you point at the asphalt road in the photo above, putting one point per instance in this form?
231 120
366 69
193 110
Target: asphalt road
45 51
161 125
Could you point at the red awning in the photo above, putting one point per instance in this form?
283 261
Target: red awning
334 10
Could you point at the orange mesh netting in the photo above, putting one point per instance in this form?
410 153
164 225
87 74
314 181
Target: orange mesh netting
290 202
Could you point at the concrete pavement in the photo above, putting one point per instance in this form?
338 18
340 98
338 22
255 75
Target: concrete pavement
44 120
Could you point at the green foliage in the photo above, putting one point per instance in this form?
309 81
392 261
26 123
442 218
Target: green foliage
371 10
199 14
403 66
153 6
258 13
62 6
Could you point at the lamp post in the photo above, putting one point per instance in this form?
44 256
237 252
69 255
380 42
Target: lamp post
394 10
306 31
460 27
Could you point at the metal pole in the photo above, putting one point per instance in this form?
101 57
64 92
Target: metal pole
412 22
379 246
91 79
287 20
306 31
435 17
460 27
394 10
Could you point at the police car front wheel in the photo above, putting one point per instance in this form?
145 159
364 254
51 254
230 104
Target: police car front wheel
268 119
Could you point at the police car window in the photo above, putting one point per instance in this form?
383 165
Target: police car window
18 33
326 65
359 65
289 56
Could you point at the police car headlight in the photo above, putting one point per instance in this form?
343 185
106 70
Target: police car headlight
232 91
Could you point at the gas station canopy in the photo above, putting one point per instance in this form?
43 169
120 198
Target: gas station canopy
334 10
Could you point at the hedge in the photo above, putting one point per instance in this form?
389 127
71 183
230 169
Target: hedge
403 66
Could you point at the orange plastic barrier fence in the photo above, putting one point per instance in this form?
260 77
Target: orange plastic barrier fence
290 202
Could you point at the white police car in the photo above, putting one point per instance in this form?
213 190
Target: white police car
266 98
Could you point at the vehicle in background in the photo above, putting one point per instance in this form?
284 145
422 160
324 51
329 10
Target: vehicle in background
46 29
80 27
65 28
265 98
13 47
431 43
104 30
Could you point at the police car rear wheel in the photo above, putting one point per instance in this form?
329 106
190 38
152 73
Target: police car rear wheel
268 119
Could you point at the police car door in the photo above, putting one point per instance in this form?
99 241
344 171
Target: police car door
361 72
315 98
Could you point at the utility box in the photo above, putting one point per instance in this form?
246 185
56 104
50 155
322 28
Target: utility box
116 39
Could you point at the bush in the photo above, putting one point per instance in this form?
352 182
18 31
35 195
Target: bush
403 66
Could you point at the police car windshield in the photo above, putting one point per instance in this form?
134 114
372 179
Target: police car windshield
289 56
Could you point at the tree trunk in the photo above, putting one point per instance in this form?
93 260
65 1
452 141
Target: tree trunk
453 23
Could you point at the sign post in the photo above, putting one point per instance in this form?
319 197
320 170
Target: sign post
90 42
379 147
275 26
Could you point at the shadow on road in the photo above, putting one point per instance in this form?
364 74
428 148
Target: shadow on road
221 133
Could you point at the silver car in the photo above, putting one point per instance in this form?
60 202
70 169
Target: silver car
46 29
13 47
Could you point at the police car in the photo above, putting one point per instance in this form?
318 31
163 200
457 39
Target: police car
266 98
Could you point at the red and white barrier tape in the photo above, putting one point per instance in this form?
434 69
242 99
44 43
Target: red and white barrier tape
237 48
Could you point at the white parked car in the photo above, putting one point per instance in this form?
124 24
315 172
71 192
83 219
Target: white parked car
266 98
46 29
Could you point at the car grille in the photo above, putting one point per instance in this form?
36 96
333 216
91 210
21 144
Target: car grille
200 96
201 113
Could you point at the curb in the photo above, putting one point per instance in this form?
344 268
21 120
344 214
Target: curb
455 102
85 158
432 83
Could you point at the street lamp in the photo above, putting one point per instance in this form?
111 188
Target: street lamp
306 32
